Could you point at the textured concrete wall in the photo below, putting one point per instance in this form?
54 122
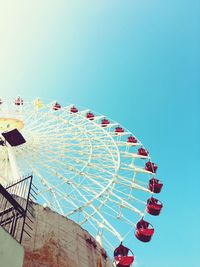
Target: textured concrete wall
59 242
11 252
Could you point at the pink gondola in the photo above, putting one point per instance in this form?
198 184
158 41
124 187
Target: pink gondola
119 130
74 110
132 139
56 106
151 167
143 152
90 116
144 231
154 206
105 122
19 101
155 185
122 257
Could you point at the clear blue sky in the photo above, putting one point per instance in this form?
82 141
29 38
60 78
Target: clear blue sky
138 63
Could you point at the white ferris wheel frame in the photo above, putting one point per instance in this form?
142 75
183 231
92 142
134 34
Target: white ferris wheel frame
61 134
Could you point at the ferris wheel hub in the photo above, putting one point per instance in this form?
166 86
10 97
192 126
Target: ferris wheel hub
7 124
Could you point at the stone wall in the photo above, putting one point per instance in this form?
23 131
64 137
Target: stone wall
59 242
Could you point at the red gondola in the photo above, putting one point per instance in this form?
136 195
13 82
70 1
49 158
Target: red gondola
144 231
131 139
90 116
56 106
104 122
151 167
143 152
74 110
119 130
19 101
154 206
155 185
121 257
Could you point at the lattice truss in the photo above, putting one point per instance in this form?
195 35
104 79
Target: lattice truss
84 171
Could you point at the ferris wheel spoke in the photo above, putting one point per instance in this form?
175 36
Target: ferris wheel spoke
48 127
94 166
56 200
124 203
109 214
30 117
131 184
41 117
66 153
121 218
61 176
86 214
125 144
130 197
61 145
49 189
47 167
45 183
95 197
133 155
102 203
108 225
69 168
100 185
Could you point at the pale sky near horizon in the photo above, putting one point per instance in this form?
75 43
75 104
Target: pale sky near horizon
135 61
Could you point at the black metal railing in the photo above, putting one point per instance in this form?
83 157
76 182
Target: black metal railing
16 209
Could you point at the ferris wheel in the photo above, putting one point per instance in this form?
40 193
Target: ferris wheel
85 166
